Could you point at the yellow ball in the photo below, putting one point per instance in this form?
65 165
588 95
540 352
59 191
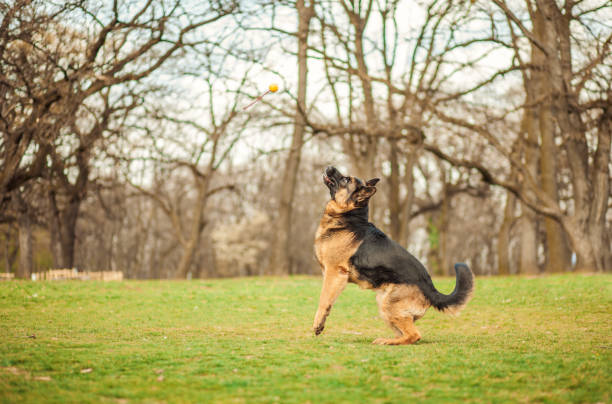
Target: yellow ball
273 88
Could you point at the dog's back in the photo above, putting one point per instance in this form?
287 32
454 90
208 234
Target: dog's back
380 260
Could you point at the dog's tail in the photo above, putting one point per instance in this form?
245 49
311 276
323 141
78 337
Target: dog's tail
454 302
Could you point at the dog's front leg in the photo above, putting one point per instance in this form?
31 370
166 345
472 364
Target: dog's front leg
334 282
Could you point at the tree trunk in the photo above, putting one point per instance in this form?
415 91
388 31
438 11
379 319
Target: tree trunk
528 263
197 224
582 245
600 240
598 234
69 222
411 159
7 255
11 250
26 262
395 213
503 238
62 228
591 240
590 183
364 148
444 258
433 254
557 251
186 259
279 262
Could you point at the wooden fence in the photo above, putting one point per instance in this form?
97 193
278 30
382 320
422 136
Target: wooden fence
64 274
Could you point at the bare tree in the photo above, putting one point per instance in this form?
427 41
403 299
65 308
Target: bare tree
24 213
200 160
70 176
280 261
539 147
28 91
50 70
381 112
64 89
10 248
109 146
578 100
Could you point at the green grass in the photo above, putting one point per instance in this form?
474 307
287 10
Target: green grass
249 340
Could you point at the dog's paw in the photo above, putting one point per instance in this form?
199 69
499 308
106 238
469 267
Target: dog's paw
318 329
396 341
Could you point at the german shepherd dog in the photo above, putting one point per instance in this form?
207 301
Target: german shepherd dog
351 249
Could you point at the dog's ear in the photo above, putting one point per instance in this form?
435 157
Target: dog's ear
372 182
364 193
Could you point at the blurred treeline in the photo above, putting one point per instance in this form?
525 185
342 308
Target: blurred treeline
124 143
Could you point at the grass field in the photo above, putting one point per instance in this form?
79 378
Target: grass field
545 339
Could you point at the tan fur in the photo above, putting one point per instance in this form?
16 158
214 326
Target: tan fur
400 306
333 253
334 282
401 300
409 333
340 204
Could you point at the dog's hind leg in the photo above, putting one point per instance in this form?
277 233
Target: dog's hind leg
334 282
382 298
400 306
409 333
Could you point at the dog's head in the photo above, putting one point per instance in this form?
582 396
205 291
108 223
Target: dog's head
348 193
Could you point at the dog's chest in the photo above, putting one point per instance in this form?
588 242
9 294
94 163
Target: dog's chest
334 251
335 248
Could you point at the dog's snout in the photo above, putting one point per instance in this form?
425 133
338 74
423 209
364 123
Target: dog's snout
330 171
